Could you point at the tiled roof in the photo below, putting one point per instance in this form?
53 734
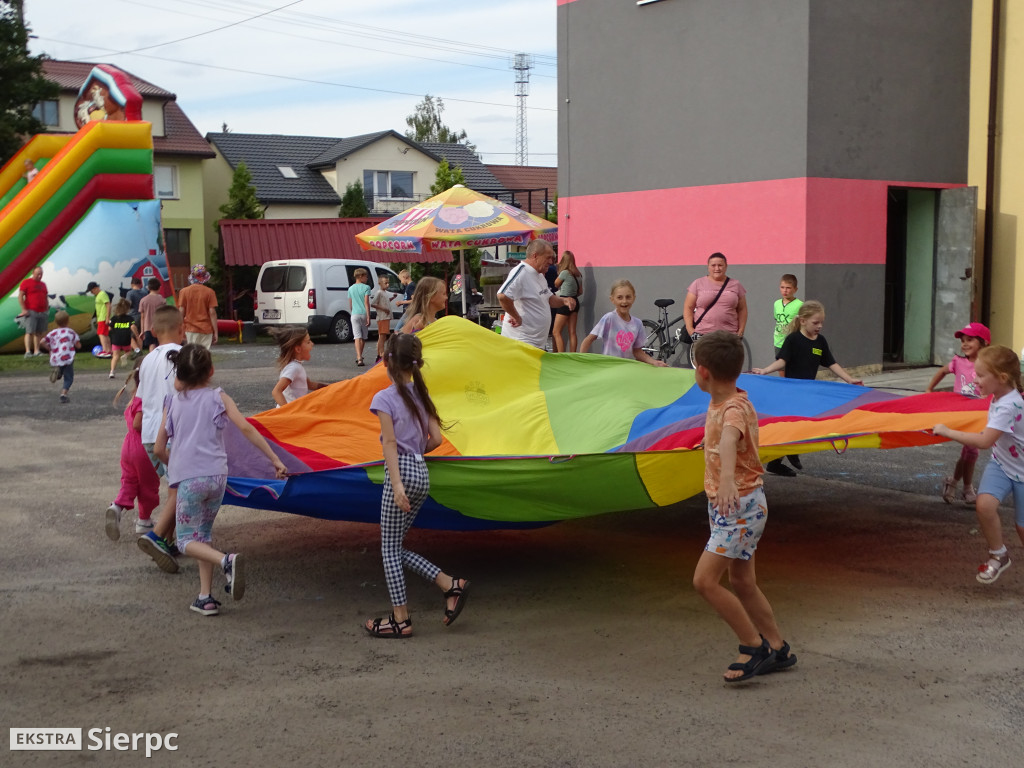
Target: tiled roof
263 154
70 75
251 242
180 137
345 147
475 172
528 177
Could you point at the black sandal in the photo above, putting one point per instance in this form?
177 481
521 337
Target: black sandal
761 658
783 660
460 595
389 628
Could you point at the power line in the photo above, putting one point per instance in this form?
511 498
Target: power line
291 77
337 43
210 31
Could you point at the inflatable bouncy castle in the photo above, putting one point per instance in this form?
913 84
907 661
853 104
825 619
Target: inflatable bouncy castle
87 213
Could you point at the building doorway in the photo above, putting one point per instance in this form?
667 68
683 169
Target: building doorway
928 272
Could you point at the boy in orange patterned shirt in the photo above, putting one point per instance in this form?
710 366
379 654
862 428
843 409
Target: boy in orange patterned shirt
737 511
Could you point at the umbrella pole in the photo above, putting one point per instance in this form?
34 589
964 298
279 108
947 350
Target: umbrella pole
465 284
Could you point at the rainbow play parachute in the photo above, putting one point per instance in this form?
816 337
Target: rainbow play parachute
537 438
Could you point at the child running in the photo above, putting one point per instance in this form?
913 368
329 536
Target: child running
997 373
123 336
409 428
803 351
61 343
972 339
195 417
156 383
737 511
428 299
296 348
139 479
380 301
621 334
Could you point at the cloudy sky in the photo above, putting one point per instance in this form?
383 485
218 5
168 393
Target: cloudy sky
325 67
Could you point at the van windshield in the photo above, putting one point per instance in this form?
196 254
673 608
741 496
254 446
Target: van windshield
281 279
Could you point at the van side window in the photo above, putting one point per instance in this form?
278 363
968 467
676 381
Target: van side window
335 278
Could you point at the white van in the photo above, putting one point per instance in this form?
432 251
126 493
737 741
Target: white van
314 293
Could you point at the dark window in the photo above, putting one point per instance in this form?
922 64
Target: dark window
179 256
283 279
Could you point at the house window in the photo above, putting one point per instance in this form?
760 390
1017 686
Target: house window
394 185
287 171
46 113
165 182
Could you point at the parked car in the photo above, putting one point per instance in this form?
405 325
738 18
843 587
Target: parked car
314 293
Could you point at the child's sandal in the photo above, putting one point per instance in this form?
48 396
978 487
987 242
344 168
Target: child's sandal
389 628
460 593
989 571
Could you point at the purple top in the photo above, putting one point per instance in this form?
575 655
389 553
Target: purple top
724 316
409 427
196 420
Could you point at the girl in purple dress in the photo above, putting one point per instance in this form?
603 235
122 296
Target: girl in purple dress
192 433
409 428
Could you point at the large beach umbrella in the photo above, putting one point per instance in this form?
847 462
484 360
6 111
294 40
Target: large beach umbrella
457 218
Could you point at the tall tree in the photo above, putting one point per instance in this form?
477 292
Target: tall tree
353 202
22 83
425 124
242 204
446 177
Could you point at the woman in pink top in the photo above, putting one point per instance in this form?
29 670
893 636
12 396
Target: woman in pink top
702 314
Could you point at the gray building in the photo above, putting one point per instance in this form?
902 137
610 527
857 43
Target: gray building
824 138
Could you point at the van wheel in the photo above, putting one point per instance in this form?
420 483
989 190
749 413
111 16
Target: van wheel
340 330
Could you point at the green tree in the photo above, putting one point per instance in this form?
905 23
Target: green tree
425 124
22 83
446 177
242 204
353 202
553 210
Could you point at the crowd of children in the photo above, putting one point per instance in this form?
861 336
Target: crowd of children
175 419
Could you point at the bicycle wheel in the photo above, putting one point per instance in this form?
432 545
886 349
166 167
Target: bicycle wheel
654 345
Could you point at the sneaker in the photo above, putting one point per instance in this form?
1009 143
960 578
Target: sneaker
65 399
989 571
795 461
206 606
113 526
948 490
54 375
111 375
157 548
235 576
28 355
141 526
105 355
970 494
776 467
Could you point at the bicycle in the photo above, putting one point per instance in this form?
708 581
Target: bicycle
662 343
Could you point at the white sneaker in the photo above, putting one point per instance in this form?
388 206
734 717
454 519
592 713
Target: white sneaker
113 526
111 375
141 526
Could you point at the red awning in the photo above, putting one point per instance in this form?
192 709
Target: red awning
251 242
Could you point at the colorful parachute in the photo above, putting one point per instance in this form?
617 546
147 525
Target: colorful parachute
537 437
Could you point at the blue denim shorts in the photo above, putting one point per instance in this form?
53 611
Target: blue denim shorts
994 482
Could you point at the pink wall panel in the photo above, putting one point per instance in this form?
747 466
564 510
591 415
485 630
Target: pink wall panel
783 221
751 223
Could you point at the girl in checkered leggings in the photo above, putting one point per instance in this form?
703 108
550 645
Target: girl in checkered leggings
409 428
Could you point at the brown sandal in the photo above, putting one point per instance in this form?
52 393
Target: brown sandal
389 628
